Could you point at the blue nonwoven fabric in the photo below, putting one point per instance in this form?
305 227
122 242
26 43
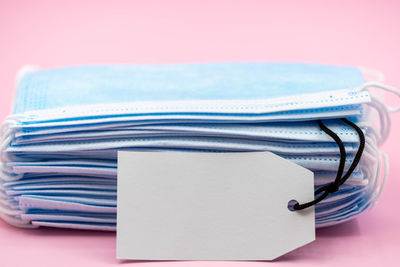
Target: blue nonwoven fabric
59 146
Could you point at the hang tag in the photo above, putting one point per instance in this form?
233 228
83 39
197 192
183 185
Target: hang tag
211 206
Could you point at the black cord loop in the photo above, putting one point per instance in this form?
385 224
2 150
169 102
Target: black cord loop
333 187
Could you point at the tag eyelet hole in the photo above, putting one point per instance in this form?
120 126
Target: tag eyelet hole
291 204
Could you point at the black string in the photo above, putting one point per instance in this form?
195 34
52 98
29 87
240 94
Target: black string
339 180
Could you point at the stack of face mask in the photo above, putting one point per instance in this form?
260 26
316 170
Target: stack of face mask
59 147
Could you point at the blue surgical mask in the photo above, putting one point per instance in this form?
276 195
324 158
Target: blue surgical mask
235 88
59 147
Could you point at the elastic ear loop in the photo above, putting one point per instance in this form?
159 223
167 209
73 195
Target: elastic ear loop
385 87
334 186
382 157
385 124
376 74
7 133
376 188
383 109
17 222
384 119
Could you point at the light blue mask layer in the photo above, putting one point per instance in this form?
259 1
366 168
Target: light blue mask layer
80 213
67 163
294 131
87 85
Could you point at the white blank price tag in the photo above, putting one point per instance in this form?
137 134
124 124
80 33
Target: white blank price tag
211 206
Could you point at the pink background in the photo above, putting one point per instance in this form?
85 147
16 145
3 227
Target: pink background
55 33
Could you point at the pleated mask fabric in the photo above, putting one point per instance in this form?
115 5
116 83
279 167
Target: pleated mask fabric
59 146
